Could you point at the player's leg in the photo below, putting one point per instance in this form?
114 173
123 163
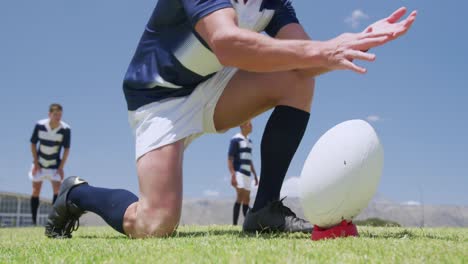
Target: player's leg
249 94
245 194
245 202
157 213
36 191
55 189
237 206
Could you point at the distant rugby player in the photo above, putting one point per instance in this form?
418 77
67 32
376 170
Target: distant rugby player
241 167
48 138
202 66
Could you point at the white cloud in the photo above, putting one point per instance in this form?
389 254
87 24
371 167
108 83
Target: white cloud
416 203
290 187
354 20
211 193
374 118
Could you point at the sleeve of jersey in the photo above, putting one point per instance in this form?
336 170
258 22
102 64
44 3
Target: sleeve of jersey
284 15
67 139
233 148
197 9
35 135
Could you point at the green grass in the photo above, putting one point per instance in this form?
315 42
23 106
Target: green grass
225 244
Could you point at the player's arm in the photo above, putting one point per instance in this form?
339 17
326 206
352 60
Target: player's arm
254 172
34 139
233 150
252 51
66 152
296 31
231 165
61 167
34 154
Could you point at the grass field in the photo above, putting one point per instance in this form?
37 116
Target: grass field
225 244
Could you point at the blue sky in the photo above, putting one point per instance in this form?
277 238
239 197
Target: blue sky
76 53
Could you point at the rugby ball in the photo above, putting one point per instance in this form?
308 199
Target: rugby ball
341 173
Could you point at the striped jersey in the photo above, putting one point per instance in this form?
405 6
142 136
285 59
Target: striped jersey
50 142
240 150
171 59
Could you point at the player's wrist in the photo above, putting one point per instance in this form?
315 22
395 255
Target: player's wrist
320 54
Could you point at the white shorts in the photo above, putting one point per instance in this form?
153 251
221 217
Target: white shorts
161 123
44 174
243 181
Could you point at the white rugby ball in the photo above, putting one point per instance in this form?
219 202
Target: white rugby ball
341 173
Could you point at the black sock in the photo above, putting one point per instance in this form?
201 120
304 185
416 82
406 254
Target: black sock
281 138
236 211
245 208
54 198
110 204
34 207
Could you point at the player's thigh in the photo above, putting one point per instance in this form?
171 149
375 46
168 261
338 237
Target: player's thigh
36 188
160 182
249 94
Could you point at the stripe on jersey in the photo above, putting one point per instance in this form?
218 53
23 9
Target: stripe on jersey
47 163
241 152
194 56
49 150
43 135
50 142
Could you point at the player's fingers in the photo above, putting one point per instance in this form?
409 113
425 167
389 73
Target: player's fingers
367 35
395 16
410 20
366 44
347 65
360 55
405 25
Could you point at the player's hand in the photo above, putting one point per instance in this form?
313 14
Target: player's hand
344 49
36 169
233 181
256 181
61 173
391 24
353 46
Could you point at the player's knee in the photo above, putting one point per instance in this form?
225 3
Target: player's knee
157 222
36 191
298 87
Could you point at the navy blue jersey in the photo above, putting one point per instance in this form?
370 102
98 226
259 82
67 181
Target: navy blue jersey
240 151
50 142
172 59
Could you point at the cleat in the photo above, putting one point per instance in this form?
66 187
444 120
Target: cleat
275 217
64 218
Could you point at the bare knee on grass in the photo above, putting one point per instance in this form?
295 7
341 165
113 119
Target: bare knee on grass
141 221
158 211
